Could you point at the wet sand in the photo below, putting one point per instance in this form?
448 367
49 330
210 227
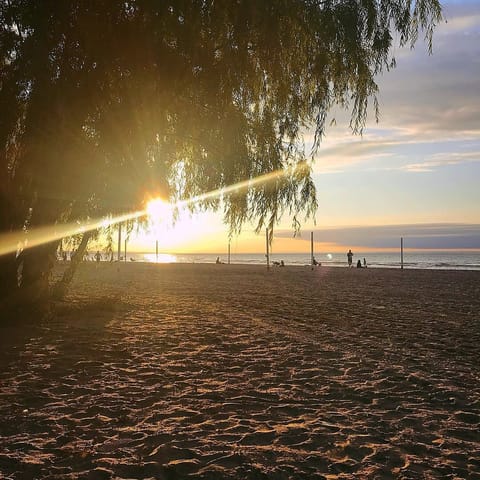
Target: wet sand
217 371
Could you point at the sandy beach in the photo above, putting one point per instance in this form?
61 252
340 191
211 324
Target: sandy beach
235 372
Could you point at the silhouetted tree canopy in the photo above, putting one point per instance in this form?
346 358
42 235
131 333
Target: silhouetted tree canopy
102 102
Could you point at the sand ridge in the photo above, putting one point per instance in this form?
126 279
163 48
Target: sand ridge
216 371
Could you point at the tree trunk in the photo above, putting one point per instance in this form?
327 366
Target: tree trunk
24 283
37 265
8 281
11 219
60 288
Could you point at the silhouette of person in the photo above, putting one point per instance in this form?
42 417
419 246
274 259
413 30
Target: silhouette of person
98 257
350 258
364 263
359 264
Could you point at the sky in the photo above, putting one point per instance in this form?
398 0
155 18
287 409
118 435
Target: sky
415 173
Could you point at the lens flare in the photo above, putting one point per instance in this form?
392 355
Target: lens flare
245 184
34 237
156 209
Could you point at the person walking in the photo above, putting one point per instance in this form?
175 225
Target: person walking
350 258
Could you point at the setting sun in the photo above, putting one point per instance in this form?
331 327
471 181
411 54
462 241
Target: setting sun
183 231
158 209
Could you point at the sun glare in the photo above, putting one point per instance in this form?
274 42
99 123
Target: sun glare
159 212
160 258
157 209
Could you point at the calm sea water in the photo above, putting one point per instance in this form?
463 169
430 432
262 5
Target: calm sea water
428 260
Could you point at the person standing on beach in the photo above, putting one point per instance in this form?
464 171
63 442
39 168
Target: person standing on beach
350 258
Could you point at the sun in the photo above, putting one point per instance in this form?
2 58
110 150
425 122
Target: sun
172 230
158 209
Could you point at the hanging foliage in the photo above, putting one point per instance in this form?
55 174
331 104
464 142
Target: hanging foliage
103 102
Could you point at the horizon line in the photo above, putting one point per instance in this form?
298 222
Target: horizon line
380 250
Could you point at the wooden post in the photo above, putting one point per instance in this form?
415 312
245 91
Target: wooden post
119 241
268 248
156 250
311 249
229 252
125 249
401 253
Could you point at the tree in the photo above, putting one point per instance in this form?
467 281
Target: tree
102 102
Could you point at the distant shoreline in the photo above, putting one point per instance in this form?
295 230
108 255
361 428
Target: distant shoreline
412 260
277 267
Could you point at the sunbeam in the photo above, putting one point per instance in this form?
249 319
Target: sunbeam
245 184
15 241
19 240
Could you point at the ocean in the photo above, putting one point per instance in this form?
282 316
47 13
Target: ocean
447 260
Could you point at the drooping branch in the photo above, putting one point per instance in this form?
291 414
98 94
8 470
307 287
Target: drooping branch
108 101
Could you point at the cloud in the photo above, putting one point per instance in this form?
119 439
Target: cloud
426 99
442 160
337 158
394 150
438 93
427 236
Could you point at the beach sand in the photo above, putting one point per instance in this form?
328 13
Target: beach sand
231 371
